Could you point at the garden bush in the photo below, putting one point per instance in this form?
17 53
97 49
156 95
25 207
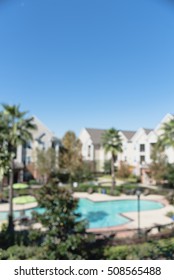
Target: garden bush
33 182
86 187
154 250
21 253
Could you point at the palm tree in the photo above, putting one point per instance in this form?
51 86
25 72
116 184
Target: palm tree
112 143
167 137
17 130
4 155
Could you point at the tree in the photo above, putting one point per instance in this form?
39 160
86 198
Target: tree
70 155
65 234
4 155
158 167
167 137
46 163
124 170
17 130
169 176
112 143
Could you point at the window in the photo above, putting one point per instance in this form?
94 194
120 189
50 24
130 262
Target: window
142 159
142 148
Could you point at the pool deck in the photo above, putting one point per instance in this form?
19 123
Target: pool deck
5 206
148 219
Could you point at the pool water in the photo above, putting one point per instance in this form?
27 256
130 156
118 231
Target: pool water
108 213
100 214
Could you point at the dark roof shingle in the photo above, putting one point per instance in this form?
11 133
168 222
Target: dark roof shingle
96 134
147 130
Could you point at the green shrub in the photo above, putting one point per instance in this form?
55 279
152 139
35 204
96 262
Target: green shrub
162 249
170 214
117 253
21 192
33 182
5 193
21 253
86 187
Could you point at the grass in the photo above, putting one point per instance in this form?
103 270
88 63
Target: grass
24 199
20 186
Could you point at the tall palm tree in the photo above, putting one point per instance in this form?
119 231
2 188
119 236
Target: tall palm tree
17 130
112 143
167 137
4 155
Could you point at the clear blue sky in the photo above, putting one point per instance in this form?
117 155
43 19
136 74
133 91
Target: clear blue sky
88 63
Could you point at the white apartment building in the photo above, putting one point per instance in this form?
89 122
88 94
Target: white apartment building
25 159
137 147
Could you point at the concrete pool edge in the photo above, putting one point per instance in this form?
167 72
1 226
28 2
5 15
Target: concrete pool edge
4 207
149 218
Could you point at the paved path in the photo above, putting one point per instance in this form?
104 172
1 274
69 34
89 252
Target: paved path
5 206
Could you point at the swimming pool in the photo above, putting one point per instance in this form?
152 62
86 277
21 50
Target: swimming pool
101 214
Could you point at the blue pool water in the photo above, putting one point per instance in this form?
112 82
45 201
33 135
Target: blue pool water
101 214
107 214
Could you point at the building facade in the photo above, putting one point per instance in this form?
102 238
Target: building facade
137 148
25 161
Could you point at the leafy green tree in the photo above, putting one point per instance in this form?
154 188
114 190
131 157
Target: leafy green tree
70 158
46 163
158 167
17 130
169 175
65 234
112 144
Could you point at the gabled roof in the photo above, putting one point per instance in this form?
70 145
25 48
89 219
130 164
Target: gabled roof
96 134
41 130
147 130
128 133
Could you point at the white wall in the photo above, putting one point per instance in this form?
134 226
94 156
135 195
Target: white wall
131 149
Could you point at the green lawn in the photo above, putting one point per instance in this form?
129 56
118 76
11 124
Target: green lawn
20 186
24 199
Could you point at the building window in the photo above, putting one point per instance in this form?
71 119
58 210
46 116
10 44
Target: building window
142 159
142 148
